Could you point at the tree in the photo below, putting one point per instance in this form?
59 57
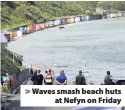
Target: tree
18 12
7 65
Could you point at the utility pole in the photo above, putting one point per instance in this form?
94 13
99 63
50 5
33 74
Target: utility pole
13 57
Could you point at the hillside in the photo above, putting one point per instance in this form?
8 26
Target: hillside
15 13
7 64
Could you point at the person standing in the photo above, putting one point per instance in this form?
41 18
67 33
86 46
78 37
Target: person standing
31 71
2 82
80 79
11 83
34 78
107 79
48 79
40 78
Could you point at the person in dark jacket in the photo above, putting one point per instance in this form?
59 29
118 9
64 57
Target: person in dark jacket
40 78
46 71
45 75
80 79
107 79
34 78
2 81
31 71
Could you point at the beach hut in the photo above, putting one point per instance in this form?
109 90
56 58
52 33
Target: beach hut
14 34
25 30
63 21
87 18
10 34
123 14
119 14
19 34
7 35
28 30
77 19
95 17
46 25
21 29
107 16
112 15
116 15
82 18
51 23
37 27
34 28
3 39
42 26
98 17
70 20
57 22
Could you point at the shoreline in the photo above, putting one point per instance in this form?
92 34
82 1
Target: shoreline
67 25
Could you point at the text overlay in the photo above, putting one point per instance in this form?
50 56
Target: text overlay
72 95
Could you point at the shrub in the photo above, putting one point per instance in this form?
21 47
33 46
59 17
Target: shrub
7 65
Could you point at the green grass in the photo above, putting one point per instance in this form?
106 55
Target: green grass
7 65
5 88
20 68
15 14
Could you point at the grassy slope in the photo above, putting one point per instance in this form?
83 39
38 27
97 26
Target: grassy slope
14 14
7 65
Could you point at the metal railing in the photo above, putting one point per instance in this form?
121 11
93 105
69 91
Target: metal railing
19 78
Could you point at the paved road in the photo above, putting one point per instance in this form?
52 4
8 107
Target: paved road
16 103
16 106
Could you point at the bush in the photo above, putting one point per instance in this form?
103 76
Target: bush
7 65
20 68
5 88
15 13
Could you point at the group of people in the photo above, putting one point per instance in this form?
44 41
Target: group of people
81 80
49 79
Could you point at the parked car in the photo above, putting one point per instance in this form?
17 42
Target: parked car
117 81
